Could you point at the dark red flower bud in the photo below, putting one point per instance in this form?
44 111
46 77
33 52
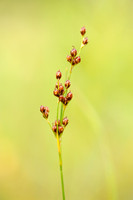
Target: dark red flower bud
54 128
61 98
60 129
67 84
83 30
61 89
42 109
58 75
65 121
69 59
77 59
56 122
73 52
56 93
57 84
74 61
85 40
45 114
69 96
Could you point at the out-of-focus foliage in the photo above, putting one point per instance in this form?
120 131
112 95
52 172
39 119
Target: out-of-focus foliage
97 146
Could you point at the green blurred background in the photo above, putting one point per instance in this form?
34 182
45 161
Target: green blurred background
97 146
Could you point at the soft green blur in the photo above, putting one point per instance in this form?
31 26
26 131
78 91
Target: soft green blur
97 145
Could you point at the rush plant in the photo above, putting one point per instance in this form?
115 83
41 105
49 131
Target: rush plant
64 96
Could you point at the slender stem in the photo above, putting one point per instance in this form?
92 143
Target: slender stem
49 123
60 164
59 152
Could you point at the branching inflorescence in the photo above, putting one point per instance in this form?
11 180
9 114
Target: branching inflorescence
64 96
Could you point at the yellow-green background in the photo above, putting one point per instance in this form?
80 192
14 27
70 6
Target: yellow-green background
97 146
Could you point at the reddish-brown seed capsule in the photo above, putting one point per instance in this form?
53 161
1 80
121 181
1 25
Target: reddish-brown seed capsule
77 59
54 128
56 122
56 93
83 30
85 40
65 121
67 84
69 96
46 108
45 114
61 89
61 98
65 101
74 61
60 129
58 75
73 52
69 59
42 109
57 85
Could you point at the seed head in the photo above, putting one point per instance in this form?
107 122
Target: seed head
65 121
60 129
56 122
69 59
85 40
77 59
73 52
56 93
58 74
83 30
69 96
67 84
54 128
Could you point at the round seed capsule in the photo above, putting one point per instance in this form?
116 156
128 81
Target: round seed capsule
77 59
61 89
56 93
45 114
54 128
42 109
60 129
65 121
85 40
83 30
58 75
67 84
69 96
61 98
69 59
73 52
56 122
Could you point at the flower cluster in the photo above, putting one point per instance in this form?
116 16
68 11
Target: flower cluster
62 92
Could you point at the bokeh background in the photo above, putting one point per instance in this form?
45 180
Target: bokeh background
97 146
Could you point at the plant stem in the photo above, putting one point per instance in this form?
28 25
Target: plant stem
60 164
59 152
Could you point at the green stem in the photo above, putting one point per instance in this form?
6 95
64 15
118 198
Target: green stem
59 152
61 171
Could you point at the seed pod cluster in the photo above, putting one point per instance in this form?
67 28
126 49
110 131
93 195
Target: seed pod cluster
72 57
60 90
44 111
60 126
